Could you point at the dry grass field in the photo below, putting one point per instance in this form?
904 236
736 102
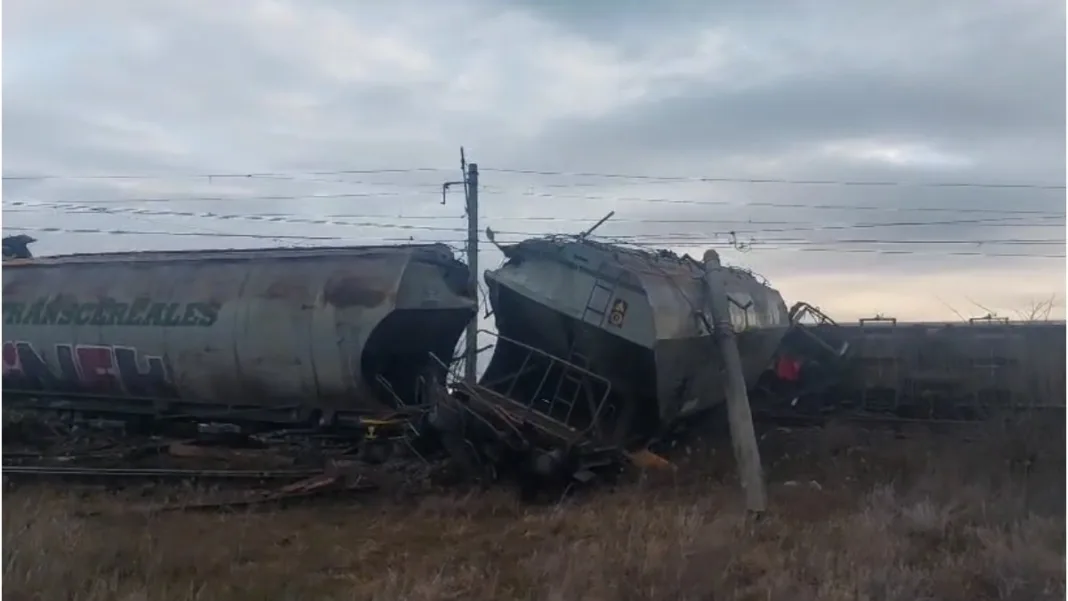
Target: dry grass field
855 515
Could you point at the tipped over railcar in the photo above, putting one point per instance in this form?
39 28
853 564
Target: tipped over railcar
639 320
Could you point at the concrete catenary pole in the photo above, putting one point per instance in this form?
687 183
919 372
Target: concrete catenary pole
740 416
471 187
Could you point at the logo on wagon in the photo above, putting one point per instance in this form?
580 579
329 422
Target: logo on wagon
64 310
618 313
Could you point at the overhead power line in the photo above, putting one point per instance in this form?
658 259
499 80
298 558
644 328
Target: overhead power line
331 219
549 173
805 246
1014 222
736 227
916 241
126 232
550 196
270 197
65 209
788 205
231 175
785 181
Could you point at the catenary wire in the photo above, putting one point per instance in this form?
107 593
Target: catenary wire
329 219
551 173
668 236
222 175
785 205
784 181
635 242
637 199
287 219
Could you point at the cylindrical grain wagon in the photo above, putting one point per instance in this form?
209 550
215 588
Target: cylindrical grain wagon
267 334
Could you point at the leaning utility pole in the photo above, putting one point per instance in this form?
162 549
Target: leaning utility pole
471 187
470 182
739 414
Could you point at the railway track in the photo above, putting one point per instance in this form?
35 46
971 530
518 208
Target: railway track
45 472
263 488
77 466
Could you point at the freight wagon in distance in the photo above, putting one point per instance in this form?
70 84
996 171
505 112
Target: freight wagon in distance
953 370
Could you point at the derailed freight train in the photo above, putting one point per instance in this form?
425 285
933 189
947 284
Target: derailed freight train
641 321
266 335
305 335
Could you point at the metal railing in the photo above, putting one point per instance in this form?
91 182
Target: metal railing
549 399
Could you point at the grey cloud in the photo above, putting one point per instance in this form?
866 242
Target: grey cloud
990 74
780 116
991 93
688 88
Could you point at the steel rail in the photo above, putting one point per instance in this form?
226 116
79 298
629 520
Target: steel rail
45 471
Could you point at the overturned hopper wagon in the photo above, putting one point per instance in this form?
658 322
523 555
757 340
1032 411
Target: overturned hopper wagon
269 335
640 320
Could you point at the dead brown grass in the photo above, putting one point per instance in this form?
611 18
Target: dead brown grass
855 516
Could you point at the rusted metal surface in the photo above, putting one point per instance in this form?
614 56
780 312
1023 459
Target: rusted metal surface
287 332
639 319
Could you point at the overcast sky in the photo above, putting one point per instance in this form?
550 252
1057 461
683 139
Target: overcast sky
965 91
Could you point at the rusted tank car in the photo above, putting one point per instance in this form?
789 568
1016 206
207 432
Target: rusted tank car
952 369
268 334
641 320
